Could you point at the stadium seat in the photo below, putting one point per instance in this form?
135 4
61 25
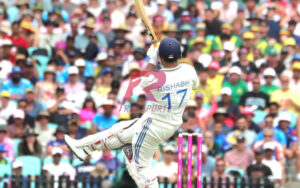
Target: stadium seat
119 154
5 169
16 144
43 60
259 116
53 125
235 172
77 162
48 160
31 165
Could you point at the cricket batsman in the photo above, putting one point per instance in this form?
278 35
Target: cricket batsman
147 132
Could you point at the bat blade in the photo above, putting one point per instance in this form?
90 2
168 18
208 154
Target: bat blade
140 9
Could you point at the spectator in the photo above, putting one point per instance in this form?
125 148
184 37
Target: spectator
274 109
214 148
45 90
7 106
17 129
220 171
284 121
6 59
219 117
45 133
255 98
256 174
204 87
269 138
88 111
214 79
103 84
29 70
17 172
22 104
227 10
213 25
58 168
244 63
105 120
220 137
111 162
237 86
269 77
59 108
272 163
6 141
249 115
33 107
273 60
230 55
48 39
208 162
139 55
30 145
3 161
278 135
239 157
259 156
296 76
16 85
191 122
74 85
88 92
84 169
83 40
75 131
202 113
162 10
167 168
286 97
232 108
16 37
101 173
247 50
135 111
242 127
58 142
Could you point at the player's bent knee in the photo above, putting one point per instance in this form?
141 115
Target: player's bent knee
150 183
147 177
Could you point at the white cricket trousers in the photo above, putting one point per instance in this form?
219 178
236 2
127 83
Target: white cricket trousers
145 134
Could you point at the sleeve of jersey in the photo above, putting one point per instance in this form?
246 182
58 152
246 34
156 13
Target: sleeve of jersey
196 81
147 81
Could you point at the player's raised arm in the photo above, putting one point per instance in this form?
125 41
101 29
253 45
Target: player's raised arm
153 54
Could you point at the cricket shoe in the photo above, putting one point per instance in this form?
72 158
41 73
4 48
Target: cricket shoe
80 152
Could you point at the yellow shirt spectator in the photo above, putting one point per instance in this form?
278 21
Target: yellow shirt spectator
214 80
285 98
207 92
215 83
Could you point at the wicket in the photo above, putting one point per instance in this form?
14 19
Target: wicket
189 160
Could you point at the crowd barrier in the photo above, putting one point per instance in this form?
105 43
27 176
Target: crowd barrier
91 182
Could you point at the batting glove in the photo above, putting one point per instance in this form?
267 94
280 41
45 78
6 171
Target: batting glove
153 52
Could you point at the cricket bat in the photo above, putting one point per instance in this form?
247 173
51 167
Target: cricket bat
140 9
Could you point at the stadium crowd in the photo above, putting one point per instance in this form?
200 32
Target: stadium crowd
65 66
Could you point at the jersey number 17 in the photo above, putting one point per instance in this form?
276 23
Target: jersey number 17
168 97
